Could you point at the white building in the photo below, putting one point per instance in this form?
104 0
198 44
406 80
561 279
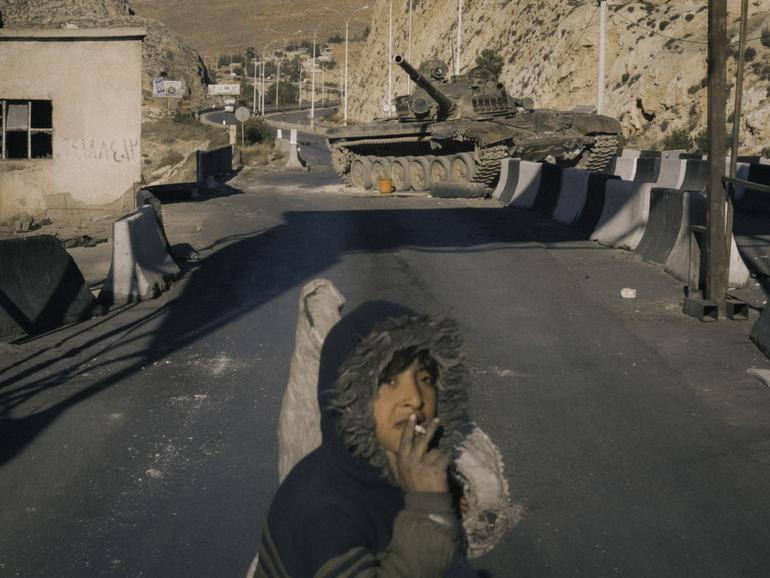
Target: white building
70 119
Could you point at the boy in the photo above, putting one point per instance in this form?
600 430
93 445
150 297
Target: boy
373 500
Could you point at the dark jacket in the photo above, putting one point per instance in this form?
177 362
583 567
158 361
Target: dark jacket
338 512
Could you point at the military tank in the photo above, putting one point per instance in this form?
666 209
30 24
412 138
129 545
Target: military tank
458 130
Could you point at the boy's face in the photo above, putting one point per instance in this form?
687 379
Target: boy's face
410 392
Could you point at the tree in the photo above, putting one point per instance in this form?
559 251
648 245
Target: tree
491 61
287 93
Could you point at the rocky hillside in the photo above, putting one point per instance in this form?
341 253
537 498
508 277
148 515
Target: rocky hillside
163 49
656 58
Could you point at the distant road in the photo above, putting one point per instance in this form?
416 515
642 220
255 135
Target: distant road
292 115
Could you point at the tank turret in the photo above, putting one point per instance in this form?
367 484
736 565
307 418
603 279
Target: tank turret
419 106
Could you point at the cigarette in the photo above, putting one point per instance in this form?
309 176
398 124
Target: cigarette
420 430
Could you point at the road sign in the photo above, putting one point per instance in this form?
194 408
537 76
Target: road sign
220 89
167 88
174 88
242 114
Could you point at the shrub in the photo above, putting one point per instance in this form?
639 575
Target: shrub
677 139
765 38
255 130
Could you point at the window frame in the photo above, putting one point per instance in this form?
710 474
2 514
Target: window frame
30 130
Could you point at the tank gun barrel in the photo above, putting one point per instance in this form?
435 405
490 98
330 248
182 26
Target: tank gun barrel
445 104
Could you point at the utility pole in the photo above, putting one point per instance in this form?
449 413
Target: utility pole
716 246
602 42
739 87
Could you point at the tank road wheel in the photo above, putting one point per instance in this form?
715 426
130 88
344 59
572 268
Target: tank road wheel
440 168
463 168
359 173
380 169
419 173
399 168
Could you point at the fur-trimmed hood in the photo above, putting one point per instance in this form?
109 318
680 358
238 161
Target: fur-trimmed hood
354 355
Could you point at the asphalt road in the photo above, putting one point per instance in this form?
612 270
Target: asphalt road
303 116
143 443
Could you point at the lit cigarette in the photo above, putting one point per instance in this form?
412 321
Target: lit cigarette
419 429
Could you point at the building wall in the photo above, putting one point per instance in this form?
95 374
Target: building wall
93 78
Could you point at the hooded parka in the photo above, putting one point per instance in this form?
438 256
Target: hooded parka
339 512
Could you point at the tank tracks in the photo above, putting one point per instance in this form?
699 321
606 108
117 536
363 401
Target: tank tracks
601 153
486 160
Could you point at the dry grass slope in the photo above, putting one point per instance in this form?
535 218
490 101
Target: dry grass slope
229 26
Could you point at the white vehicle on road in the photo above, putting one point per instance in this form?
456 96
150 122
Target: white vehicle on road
229 105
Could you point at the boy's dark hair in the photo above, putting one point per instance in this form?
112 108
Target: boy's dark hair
403 358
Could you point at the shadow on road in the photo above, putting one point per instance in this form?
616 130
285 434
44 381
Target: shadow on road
242 276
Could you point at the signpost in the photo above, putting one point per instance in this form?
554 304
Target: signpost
242 114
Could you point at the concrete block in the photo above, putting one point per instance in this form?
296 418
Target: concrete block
672 173
548 191
594 204
625 168
294 160
527 185
41 287
141 268
663 225
625 213
572 195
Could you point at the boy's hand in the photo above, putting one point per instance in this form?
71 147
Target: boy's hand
420 470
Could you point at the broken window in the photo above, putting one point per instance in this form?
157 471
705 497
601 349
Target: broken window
27 129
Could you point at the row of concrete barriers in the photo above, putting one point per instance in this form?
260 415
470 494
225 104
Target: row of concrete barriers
652 218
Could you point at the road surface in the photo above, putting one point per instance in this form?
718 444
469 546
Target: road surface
143 443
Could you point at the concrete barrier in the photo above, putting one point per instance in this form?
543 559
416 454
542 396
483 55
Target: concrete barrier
548 191
624 217
506 183
294 160
672 154
630 153
647 170
750 200
663 224
672 173
594 204
650 154
696 175
625 168
41 287
741 172
694 211
140 268
528 185
760 332
519 183
213 163
572 195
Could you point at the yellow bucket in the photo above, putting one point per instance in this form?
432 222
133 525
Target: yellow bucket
386 185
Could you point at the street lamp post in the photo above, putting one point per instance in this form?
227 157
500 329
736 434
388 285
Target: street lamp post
286 40
312 83
390 57
409 49
602 36
254 103
347 25
459 36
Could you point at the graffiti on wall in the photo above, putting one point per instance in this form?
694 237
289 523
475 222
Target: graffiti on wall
94 149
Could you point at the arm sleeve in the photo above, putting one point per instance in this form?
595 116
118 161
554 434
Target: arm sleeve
423 544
